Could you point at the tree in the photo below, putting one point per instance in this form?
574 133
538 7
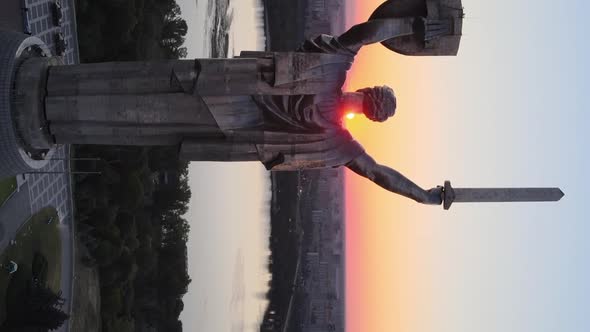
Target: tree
49 317
175 230
174 29
122 325
111 300
42 309
132 192
172 35
172 13
173 200
174 326
106 252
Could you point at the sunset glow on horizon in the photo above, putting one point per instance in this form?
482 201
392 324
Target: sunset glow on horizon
378 272
509 110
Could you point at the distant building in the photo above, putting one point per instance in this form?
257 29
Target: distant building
318 216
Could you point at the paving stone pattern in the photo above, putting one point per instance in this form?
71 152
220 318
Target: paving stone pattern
53 189
40 17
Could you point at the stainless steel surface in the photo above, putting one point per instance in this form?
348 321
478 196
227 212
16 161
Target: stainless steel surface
483 195
508 194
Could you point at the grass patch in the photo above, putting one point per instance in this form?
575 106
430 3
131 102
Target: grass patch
7 186
35 236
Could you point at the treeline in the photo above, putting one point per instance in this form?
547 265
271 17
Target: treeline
125 30
130 220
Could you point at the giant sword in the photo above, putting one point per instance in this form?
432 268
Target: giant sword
481 195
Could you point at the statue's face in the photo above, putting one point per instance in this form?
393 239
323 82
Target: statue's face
379 103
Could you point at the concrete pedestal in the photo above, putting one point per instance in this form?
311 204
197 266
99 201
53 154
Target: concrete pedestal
15 155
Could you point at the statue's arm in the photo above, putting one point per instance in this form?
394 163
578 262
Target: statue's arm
393 181
375 31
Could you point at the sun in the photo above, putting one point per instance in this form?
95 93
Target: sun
350 116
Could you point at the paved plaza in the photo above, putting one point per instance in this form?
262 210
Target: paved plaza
52 189
51 186
40 18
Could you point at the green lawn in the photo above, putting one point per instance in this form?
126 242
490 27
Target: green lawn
7 186
35 236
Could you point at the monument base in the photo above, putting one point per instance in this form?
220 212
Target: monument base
16 156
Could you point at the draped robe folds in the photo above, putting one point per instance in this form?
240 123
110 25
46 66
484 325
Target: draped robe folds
300 124
279 108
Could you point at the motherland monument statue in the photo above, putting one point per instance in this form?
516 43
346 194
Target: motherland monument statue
283 109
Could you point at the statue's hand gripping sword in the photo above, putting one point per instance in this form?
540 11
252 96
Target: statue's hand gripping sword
481 195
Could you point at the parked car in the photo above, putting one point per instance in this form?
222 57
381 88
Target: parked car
57 12
26 23
60 44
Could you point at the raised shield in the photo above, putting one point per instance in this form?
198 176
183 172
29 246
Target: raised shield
438 27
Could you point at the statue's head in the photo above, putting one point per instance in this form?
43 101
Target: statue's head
378 103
